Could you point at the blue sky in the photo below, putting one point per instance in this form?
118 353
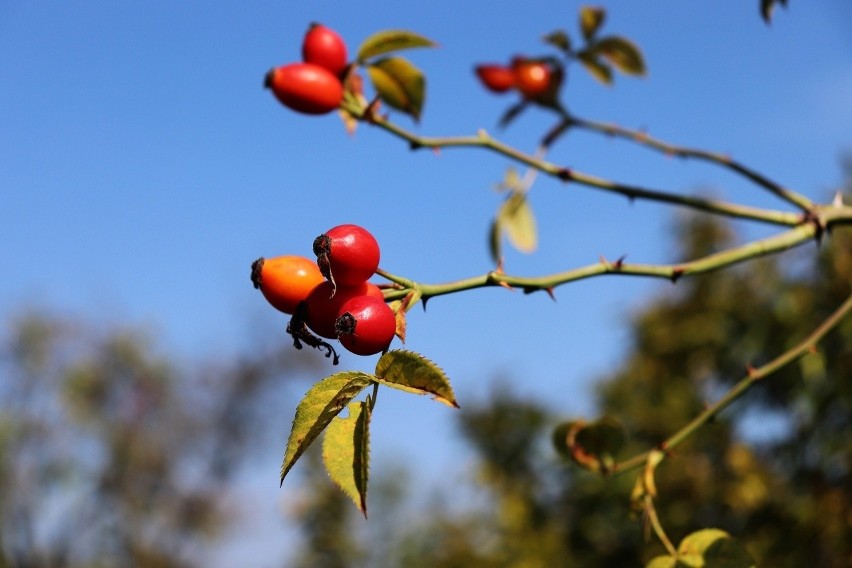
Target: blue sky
143 168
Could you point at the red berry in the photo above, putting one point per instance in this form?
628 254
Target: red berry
537 80
366 325
324 47
305 87
347 254
323 304
496 78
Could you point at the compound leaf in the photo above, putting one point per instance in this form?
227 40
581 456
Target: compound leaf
319 406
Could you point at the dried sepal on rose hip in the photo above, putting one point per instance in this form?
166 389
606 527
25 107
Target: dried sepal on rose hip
285 280
347 254
305 87
323 304
324 47
366 325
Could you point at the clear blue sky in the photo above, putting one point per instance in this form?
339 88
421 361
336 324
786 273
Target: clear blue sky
143 168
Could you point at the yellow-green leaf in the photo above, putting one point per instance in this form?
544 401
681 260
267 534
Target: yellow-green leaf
511 181
391 40
560 40
622 53
411 372
662 562
599 70
713 548
518 221
320 405
346 453
399 83
591 19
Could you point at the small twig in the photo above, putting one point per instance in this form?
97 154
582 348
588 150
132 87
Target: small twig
651 515
643 139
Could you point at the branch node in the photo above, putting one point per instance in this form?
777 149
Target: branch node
564 174
677 272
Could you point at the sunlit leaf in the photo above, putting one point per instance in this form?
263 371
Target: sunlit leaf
713 548
560 40
622 53
511 181
599 70
411 372
346 452
518 221
391 40
662 562
318 407
591 19
399 83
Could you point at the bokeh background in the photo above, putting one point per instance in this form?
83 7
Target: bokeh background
144 167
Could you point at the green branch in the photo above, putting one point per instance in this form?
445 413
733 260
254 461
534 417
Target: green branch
776 243
753 376
796 199
484 140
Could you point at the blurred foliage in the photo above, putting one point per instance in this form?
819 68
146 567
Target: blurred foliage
112 455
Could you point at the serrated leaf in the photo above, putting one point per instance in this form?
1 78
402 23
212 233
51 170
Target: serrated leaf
411 372
518 221
346 453
599 70
560 40
713 548
399 83
319 406
591 19
391 40
622 53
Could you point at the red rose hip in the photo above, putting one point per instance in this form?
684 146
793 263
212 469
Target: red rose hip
323 304
324 47
347 254
366 325
305 88
496 78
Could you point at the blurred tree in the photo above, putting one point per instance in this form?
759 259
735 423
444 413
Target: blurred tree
110 455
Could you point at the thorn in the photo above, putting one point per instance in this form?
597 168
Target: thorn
838 200
414 145
677 272
751 372
423 301
550 293
506 285
436 150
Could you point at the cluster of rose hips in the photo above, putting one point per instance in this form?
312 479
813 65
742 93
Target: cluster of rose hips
536 79
331 296
314 86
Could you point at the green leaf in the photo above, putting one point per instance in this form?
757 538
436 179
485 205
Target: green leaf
517 220
662 562
495 240
511 181
599 70
320 405
346 453
713 548
399 83
411 372
591 19
560 40
622 53
391 40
